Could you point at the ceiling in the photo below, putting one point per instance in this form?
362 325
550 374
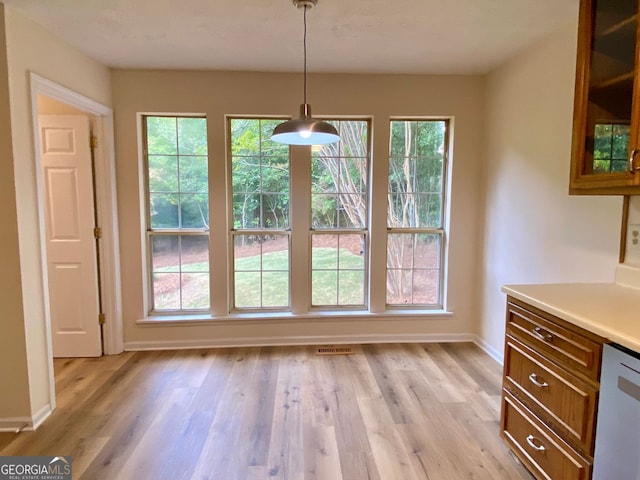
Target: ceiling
347 36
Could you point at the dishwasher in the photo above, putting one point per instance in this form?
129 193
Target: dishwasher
617 450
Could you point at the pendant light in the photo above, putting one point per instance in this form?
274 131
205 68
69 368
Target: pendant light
305 130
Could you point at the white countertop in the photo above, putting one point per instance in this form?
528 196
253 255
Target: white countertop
606 309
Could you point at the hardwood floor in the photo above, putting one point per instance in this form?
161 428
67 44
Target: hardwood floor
402 411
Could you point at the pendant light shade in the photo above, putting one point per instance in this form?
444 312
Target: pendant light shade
305 130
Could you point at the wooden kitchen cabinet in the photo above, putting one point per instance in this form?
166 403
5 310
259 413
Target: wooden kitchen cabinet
550 393
605 145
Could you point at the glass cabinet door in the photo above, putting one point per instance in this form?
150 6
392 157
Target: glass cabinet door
605 94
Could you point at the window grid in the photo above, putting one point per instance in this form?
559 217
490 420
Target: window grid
176 189
260 277
415 220
339 218
176 217
338 269
610 148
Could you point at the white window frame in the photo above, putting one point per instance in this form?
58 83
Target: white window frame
233 232
441 230
150 233
364 231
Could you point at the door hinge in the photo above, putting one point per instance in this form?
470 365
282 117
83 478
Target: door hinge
93 141
97 232
102 318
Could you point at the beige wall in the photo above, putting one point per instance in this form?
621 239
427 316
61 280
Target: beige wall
218 93
13 358
533 231
30 48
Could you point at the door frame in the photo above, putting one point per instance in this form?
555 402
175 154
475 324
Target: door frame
106 208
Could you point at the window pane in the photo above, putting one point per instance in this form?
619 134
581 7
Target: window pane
324 210
195 291
194 253
611 143
165 253
267 146
247 289
166 291
413 268
337 269
339 203
426 284
275 211
180 266
261 264
416 168
162 136
192 136
324 254
339 175
177 173
194 174
246 211
426 251
417 154
163 173
260 176
163 209
352 212
275 289
351 287
325 287
194 211
245 138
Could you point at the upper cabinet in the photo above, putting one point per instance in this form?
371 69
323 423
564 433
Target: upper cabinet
606 124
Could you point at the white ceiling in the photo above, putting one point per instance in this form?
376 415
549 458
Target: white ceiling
355 36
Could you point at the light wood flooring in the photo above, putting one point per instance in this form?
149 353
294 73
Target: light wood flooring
387 412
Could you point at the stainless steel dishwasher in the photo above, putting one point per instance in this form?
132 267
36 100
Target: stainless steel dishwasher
617 452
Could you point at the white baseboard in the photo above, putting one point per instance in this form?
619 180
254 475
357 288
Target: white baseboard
497 355
41 416
308 340
25 424
15 424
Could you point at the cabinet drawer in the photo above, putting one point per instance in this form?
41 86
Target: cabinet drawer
566 401
572 349
541 450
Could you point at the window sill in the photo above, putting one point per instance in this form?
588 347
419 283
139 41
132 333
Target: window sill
283 317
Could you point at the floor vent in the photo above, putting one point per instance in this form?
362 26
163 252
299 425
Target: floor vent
334 350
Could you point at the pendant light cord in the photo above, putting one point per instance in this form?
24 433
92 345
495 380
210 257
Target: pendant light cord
305 54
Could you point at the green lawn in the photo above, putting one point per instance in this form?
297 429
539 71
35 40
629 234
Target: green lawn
330 285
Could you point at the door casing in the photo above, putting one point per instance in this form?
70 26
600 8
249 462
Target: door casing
106 205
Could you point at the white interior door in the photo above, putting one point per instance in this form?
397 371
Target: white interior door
71 247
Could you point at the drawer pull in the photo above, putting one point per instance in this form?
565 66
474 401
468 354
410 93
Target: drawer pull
534 379
532 443
542 335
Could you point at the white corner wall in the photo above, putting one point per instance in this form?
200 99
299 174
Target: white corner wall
534 232
31 48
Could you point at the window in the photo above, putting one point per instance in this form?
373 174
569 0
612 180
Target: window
415 218
339 217
177 206
610 145
260 234
260 192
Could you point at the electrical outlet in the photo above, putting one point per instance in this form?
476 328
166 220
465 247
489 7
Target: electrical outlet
633 238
